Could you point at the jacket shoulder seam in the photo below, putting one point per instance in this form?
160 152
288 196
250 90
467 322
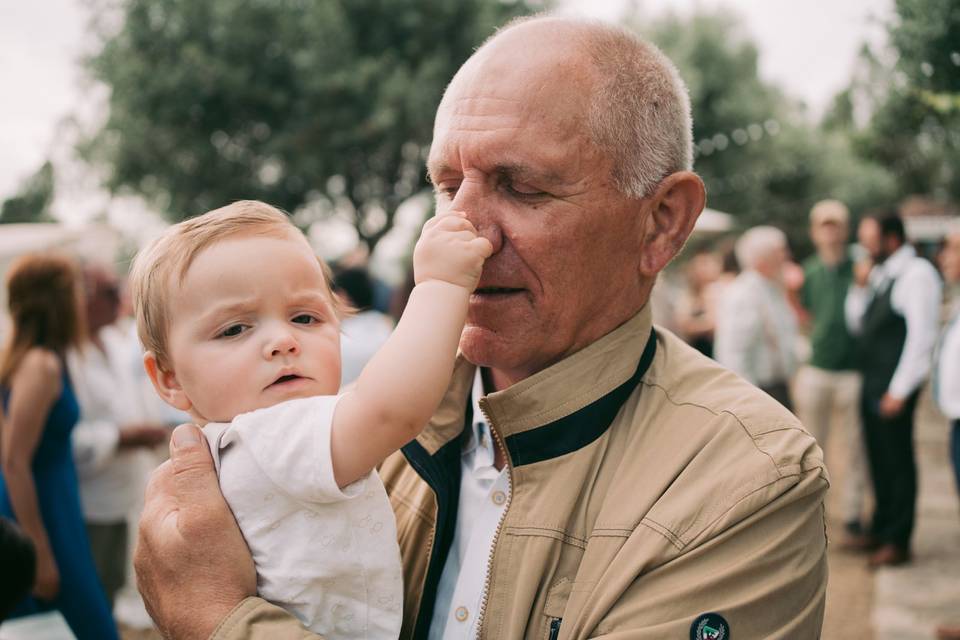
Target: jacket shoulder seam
776 425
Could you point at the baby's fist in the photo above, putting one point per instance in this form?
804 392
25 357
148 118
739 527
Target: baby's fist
450 250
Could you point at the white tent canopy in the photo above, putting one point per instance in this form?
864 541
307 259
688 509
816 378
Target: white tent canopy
713 221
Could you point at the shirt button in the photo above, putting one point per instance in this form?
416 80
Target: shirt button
461 614
499 497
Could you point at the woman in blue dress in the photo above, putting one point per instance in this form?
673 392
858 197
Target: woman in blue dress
38 482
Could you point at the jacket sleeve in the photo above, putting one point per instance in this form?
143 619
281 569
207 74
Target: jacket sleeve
765 574
257 619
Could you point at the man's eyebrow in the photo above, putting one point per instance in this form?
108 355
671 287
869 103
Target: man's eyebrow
433 170
524 172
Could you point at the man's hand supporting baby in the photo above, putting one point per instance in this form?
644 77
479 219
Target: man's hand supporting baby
187 534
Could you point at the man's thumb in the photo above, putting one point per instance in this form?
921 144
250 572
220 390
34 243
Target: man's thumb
194 475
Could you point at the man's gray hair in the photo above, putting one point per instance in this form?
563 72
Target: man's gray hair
640 109
757 243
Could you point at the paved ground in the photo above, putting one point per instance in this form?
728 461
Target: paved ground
904 603
850 589
910 601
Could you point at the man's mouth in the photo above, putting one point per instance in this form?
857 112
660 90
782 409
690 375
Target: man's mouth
496 291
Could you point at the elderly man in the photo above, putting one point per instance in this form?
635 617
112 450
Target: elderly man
756 327
894 310
586 474
829 385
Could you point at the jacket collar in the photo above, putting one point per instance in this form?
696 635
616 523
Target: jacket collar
556 410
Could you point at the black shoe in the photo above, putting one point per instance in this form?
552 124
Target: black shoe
889 555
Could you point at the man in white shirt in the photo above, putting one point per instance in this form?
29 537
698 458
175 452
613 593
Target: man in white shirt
893 309
114 428
756 328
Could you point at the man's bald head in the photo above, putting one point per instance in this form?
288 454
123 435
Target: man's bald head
635 106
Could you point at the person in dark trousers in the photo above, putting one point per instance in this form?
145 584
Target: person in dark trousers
893 308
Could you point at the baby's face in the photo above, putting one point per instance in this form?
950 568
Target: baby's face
252 325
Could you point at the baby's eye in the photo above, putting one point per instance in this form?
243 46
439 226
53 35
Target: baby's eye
233 330
305 318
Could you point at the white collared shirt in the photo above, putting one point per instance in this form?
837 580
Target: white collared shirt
484 495
916 296
947 385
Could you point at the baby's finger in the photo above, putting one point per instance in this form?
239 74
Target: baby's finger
432 222
482 246
455 223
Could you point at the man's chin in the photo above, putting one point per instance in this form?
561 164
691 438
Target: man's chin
490 347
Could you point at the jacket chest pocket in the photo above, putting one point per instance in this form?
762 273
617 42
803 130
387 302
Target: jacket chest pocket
554 607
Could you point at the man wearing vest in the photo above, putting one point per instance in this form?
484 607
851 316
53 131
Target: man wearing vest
586 475
894 310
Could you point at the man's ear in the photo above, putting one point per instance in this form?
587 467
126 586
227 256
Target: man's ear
166 383
674 209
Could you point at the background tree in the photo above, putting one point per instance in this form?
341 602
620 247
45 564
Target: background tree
32 201
327 103
759 152
911 97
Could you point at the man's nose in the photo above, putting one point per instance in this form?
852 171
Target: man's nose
478 201
282 342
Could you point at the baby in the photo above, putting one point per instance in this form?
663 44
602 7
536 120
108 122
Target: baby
241 330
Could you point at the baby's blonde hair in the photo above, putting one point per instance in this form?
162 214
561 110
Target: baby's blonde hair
165 261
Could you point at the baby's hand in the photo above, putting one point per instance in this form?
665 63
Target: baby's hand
450 250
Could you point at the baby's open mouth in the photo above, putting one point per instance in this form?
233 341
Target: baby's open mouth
287 378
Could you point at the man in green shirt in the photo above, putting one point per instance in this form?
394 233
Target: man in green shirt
829 386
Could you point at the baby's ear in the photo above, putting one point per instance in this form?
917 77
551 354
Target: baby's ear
166 383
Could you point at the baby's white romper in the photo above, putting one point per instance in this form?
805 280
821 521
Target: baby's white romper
329 556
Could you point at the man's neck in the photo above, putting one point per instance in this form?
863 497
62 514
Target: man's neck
831 256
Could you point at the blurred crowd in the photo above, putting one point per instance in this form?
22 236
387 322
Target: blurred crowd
846 340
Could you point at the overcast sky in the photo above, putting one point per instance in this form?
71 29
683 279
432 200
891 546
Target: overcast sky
808 48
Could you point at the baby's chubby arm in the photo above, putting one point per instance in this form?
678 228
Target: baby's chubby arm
401 387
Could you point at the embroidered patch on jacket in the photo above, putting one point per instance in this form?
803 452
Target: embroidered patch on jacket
710 626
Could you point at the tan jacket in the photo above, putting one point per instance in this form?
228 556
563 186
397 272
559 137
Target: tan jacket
649 486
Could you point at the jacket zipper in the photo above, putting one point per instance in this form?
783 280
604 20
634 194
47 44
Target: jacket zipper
503 516
426 574
555 628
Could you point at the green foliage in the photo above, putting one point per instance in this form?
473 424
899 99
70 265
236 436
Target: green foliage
32 202
321 102
760 157
913 100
